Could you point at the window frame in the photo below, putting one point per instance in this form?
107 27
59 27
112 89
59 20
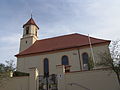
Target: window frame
44 65
84 62
64 59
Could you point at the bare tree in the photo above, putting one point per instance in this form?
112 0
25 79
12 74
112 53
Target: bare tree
111 59
5 70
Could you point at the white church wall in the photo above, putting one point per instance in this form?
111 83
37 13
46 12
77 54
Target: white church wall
28 39
72 56
96 50
25 43
24 63
32 30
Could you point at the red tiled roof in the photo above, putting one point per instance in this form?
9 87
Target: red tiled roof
59 43
30 22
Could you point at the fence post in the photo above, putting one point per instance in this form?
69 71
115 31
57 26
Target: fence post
33 79
61 77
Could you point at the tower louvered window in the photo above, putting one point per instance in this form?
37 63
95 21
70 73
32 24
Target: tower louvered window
27 30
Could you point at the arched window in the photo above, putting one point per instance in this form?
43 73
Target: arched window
46 66
85 59
65 60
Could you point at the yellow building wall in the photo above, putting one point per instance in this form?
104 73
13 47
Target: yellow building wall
96 51
28 39
75 57
26 42
24 63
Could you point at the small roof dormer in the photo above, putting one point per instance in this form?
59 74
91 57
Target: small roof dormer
31 22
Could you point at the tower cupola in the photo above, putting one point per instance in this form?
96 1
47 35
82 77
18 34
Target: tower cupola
30 28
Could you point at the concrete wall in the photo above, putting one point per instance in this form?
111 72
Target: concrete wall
91 80
75 57
87 80
16 83
22 82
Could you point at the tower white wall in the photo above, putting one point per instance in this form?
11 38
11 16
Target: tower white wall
28 39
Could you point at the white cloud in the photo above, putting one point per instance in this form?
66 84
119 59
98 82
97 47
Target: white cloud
9 46
99 18
12 39
106 17
8 52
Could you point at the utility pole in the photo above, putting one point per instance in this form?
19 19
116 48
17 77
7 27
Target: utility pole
91 48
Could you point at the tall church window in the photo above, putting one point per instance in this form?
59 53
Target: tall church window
65 60
27 30
46 67
85 59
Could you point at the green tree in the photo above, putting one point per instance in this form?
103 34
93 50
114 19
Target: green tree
90 63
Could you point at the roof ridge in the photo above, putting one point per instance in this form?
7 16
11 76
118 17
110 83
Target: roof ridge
70 35
98 38
59 36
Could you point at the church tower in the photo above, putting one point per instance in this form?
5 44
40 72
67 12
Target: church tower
30 34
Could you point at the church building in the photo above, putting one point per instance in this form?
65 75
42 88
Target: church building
71 50
67 62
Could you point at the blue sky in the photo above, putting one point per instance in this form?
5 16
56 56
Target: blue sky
99 18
